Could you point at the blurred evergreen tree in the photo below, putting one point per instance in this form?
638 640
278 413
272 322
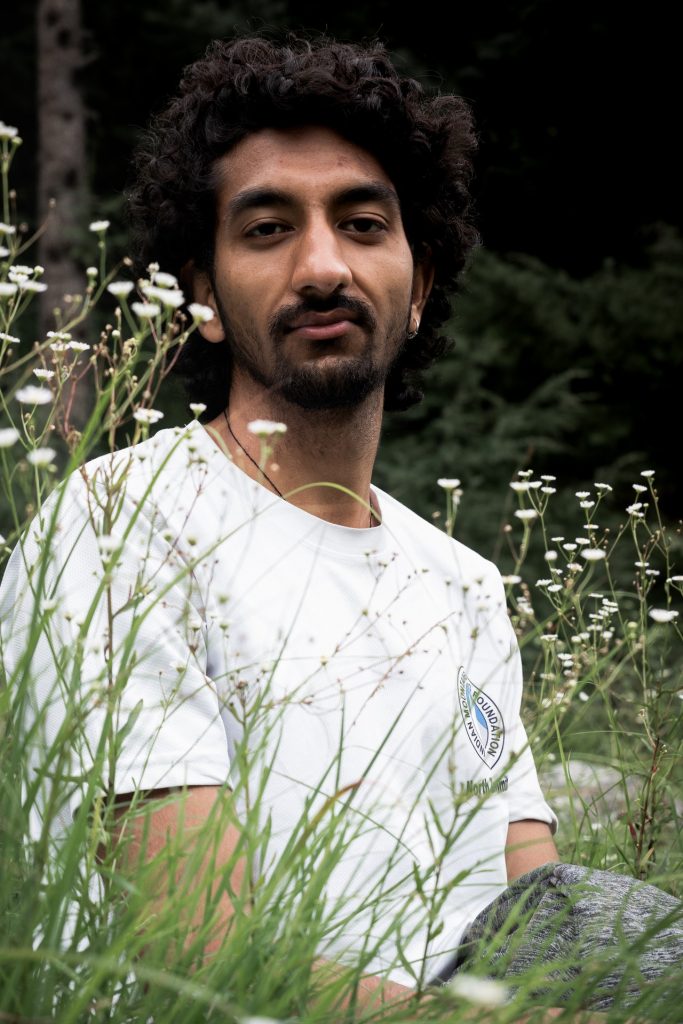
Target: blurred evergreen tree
575 378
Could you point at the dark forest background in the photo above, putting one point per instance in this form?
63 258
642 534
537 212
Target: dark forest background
568 330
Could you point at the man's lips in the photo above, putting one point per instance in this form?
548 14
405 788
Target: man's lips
322 326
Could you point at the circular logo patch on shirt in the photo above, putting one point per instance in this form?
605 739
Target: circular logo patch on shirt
482 719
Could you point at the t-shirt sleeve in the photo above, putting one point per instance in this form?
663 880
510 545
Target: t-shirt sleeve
524 795
104 635
523 792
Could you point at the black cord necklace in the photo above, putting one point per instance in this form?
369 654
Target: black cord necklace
263 473
251 459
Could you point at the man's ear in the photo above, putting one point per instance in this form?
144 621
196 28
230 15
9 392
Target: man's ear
423 279
202 291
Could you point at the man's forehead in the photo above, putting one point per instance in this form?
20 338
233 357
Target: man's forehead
314 159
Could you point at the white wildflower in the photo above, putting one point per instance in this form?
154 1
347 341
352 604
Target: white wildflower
41 456
639 488
557 540
91 271
526 514
569 546
98 226
479 991
675 579
164 280
583 494
554 587
266 428
32 286
448 483
543 583
199 313
586 504
550 556
574 567
119 289
147 415
9 338
258 1020
511 579
44 374
648 473
7 229
79 346
171 297
4 252
197 408
108 544
662 614
593 554
7 289
525 473
549 490
8 437
602 487
145 310
547 478
520 485
19 273
59 335
635 508
652 572
33 395
534 484
550 638
7 131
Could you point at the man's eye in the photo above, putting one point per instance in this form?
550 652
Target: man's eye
266 229
364 225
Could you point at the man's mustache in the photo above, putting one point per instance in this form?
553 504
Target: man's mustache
362 314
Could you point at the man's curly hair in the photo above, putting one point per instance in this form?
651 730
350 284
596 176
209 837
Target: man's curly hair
424 143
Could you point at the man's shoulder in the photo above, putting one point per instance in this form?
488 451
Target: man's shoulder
434 542
148 473
166 451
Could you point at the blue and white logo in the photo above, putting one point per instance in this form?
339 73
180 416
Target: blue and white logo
482 719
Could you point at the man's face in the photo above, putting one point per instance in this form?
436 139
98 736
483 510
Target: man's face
314 283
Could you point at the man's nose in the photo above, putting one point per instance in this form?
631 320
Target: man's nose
320 264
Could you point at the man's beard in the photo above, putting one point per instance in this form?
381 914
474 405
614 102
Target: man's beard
344 384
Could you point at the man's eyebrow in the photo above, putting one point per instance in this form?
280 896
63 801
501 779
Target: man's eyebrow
372 192
252 198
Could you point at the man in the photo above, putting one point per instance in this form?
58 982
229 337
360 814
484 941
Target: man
268 624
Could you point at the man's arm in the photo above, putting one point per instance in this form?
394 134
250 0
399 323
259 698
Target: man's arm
159 847
529 845
176 822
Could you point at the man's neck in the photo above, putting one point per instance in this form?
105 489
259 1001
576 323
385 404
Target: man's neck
333 447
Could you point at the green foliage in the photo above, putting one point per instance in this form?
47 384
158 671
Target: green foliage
572 377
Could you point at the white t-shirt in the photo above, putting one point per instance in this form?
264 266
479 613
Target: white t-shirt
378 664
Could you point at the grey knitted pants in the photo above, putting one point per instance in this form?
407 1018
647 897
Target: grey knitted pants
583 937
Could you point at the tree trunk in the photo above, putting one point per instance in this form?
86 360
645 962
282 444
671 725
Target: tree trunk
62 167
